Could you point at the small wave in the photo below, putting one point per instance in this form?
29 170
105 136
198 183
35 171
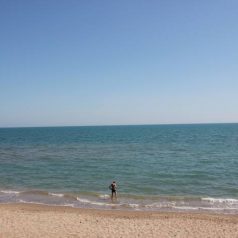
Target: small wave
41 203
221 200
56 194
83 200
10 192
161 205
104 196
133 205
206 208
23 201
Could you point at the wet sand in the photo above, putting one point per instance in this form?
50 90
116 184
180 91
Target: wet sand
26 220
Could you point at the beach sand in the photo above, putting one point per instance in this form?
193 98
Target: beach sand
25 220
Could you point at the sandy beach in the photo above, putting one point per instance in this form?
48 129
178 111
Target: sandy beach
24 220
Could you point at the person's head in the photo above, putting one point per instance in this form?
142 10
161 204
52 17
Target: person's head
114 182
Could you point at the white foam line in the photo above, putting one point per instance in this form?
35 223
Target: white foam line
40 203
161 205
57 194
205 208
133 205
186 208
9 192
96 203
220 200
104 196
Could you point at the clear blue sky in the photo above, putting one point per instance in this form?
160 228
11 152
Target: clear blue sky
118 62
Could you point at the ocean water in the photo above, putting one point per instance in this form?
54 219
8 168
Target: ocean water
157 167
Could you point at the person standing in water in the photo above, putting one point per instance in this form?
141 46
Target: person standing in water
113 188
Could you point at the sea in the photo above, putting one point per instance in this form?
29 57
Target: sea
177 168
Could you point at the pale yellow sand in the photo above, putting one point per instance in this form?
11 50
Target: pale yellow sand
17 220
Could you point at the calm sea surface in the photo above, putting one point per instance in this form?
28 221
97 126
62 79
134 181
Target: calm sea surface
158 167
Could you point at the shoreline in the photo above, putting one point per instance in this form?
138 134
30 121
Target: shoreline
102 201
33 220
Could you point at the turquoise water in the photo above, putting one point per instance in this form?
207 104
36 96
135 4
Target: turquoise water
157 167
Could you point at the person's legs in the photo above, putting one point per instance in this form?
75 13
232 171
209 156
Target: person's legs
114 193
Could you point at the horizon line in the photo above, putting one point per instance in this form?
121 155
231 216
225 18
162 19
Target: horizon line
108 125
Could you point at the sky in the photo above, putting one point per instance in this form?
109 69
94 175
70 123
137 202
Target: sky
75 62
